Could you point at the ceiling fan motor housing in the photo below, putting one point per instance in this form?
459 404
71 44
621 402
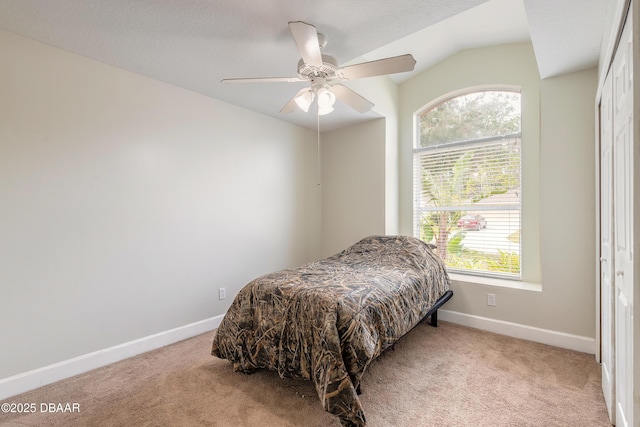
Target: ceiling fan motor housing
327 70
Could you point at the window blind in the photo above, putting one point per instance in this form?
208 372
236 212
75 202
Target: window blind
467 200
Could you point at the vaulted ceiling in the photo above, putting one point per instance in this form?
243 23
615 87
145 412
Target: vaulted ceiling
196 43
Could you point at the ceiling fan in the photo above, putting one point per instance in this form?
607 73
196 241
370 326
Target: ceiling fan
322 70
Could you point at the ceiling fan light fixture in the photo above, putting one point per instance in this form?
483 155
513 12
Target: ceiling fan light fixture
326 98
304 100
322 110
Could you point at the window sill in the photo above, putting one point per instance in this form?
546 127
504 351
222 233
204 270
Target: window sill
494 281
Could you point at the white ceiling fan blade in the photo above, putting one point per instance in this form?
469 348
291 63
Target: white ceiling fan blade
306 38
351 98
291 106
396 64
263 80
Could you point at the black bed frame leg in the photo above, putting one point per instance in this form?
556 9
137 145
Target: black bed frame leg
434 319
433 312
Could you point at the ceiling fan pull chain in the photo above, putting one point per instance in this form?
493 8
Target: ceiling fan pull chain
318 147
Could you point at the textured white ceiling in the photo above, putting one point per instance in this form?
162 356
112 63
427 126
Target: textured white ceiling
566 37
196 43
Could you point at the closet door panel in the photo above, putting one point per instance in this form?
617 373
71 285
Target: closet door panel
607 294
623 226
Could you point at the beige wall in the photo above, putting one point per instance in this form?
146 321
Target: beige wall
558 197
353 185
567 199
360 194
125 203
384 93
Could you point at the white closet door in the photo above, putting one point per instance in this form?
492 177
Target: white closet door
623 231
607 294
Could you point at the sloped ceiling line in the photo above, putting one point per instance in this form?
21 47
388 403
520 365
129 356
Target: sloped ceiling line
196 44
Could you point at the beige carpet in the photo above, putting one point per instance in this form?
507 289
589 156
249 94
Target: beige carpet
445 376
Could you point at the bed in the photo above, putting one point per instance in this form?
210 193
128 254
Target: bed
326 321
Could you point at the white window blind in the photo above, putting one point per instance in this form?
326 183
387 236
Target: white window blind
467 202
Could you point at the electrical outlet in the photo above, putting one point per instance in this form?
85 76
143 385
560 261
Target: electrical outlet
222 293
491 300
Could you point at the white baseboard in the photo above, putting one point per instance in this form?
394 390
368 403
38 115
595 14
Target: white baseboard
17 384
530 333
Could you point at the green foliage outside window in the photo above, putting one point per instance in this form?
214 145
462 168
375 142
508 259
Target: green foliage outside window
468 117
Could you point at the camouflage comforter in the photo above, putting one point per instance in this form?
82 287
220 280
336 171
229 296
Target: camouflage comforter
327 320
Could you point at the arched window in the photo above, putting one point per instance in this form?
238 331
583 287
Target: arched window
466 166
